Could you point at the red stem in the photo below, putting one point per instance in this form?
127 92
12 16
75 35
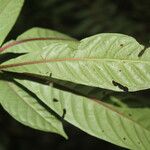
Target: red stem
28 40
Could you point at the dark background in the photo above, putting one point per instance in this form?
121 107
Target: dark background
77 18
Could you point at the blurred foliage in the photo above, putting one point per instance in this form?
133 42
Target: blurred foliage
77 18
82 18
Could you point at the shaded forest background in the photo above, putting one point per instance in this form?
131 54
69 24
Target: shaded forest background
77 18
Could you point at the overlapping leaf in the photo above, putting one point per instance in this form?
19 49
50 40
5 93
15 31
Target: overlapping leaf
26 109
94 117
9 11
110 61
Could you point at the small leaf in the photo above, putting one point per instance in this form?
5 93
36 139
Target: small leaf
9 11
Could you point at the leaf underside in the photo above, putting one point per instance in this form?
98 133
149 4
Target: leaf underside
109 61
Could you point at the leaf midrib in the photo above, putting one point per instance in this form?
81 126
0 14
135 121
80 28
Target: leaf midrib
18 42
69 59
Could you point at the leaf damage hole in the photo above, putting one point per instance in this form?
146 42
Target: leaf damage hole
124 88
55 100
64 113
121 45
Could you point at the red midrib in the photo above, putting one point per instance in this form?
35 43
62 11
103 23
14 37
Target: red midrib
30 40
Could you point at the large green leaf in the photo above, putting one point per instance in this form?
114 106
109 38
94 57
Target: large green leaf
9 11
110 61
94 117
26 109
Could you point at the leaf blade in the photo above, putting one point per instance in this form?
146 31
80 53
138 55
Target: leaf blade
9 11
93 66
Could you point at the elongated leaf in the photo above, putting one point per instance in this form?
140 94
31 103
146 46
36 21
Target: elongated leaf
26 109
110 61
94 117
37 39
9 11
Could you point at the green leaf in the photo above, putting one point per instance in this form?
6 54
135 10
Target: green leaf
37 39
94 117
111 61
25 108
9 11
